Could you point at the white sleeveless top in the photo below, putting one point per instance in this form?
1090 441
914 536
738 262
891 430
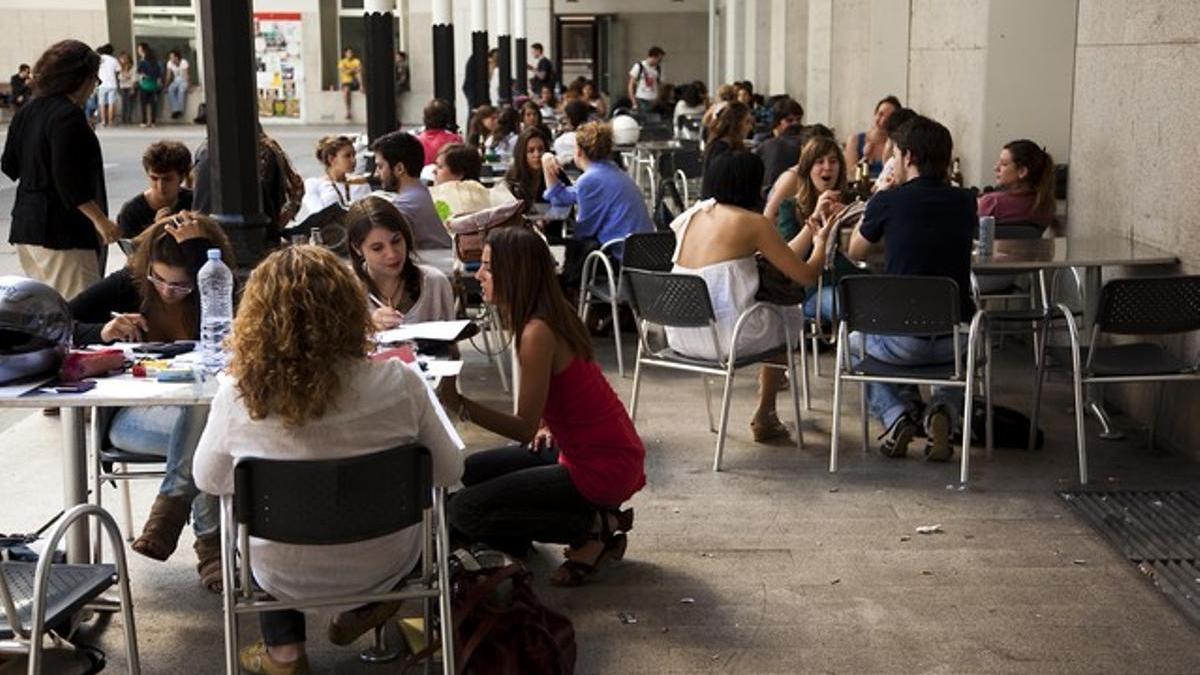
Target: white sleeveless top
731 286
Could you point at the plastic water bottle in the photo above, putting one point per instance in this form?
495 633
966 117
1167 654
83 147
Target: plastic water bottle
987 235
216 310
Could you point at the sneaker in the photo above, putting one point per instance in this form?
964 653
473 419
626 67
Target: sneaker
896 439
937 428
256 659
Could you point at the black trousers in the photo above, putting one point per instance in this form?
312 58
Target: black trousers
514 496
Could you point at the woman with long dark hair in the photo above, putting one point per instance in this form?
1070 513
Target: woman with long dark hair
1025 186
60 213
154 299
525 178
727 130
870 144
580 457
150 83
382 252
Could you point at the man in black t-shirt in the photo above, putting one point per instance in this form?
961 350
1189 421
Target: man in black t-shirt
19 89
926 227
543 70
166 164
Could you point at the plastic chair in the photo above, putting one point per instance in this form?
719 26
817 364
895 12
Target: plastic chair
1139 306
336 501
43 596
601 285
907 306
682 300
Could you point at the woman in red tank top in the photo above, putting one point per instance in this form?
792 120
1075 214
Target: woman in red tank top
580 457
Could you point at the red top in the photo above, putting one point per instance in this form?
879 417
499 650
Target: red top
1010 207
433 140
595 437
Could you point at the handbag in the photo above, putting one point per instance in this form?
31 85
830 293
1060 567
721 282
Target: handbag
470 229
776 287
149 84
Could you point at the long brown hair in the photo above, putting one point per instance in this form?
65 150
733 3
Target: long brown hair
156 245
526 183
806 192
726 125
525 287
302 319
367 214
1039 166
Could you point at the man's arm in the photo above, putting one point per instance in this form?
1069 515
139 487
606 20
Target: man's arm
869 230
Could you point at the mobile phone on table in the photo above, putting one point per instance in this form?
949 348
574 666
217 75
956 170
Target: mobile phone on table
69 387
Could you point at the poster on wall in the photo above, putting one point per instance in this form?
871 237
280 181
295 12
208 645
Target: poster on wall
280 71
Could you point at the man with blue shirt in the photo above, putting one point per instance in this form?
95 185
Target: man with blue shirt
926 228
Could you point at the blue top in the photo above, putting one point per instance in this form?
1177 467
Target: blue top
611 205
875 167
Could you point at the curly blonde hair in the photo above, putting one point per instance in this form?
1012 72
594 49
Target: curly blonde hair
303 316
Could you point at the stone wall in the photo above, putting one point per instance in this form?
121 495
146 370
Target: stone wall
28 31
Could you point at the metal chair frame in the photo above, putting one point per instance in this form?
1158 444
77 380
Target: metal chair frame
593 264
647 356
100 424
1083 375
963 377
28 640
240 597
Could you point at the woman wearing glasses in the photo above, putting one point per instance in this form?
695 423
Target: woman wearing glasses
154 299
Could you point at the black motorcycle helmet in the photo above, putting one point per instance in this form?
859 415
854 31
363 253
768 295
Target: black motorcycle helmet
35 328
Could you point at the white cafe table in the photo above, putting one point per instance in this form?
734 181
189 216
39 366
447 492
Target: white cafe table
116 391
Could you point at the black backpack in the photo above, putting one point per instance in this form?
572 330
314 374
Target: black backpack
1010 428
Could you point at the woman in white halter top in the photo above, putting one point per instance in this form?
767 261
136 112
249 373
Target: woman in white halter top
716 239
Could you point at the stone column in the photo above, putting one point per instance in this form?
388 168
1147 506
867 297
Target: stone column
380 54
504 44
443 52
522 48
479 50
733 46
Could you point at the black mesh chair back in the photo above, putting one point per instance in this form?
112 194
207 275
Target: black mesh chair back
669 206
679 300
656 130
1019 230
336 501
651 251
1150 305
899 305
688 160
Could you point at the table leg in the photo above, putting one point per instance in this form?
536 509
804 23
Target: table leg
1094 397
74 467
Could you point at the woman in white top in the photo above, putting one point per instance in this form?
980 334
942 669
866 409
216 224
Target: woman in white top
267 409
337 185
382 252
717 239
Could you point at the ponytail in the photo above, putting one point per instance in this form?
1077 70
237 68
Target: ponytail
1040 167
329 146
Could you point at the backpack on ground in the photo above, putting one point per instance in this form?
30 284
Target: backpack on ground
1010 428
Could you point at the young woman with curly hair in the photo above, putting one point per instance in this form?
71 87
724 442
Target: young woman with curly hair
302 388
154 298
580 458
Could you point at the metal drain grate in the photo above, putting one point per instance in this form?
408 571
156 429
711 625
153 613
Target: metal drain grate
1157 531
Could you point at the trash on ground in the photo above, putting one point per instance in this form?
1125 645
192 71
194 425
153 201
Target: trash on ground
906 538
687 601
835 582
627 617
833 489
1078 562
929 529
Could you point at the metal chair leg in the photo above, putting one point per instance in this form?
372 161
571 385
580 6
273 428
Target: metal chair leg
708 403
637 382
616 320
791 364
835 434
126 505
866 421
1039 374
380 651
1158 390
723 427
803 371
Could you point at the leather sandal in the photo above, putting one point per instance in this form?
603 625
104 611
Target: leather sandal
160 534
208 553
573 572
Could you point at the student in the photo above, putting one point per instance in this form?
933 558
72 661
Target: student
127 83
398 160
178 82
280 187
60 211
349 75
728 128
525 179
542 68
383 255
531 116
692 103
598 102
548 103
456 181
809 194
782 149
337 184
870 143
481 125
926 226
154 299
717 239
265 409
581 456
106 92
439 119
503 138
644 78
150 78
886 178
18 84
576 114
166 164
609 204
1025 186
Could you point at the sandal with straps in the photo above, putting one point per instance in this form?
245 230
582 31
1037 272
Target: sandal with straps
160 534
573 572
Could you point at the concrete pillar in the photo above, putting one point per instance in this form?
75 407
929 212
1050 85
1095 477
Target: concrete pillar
733 47
443 51
479 49
380 70
504 44
819 91
888 58
750 39
713 48
522 52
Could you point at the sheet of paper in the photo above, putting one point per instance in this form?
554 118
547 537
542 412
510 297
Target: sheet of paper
428 330
13 390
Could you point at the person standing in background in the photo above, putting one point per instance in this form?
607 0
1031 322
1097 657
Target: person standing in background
178 82
542 69
403 83
19 86
60 214
349 76
644 78
127 83
110 69
149 72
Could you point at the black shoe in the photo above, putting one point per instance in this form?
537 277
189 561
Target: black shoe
898 437
937 428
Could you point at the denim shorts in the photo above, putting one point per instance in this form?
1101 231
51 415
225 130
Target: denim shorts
107 95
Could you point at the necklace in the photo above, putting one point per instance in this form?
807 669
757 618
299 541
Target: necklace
343 199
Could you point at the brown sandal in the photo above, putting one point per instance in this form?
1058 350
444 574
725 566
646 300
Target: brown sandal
208 552
160 534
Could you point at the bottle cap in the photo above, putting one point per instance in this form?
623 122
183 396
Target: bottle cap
214 254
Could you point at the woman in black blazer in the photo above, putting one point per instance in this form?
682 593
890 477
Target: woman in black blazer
60 216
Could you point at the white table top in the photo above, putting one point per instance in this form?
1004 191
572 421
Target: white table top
117 390
1090 251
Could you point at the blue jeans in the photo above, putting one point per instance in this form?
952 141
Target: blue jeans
177 95
171 432
823 300
887 400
